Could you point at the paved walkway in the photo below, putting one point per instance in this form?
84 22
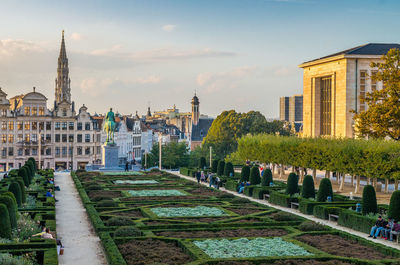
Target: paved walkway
296 212
81 244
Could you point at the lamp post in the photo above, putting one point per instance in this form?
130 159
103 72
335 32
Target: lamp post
210 156
40 148
160 151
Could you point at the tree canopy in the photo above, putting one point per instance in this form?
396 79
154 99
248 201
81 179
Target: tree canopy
174 155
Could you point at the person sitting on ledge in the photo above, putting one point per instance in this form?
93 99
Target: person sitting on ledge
396 229
378 227
241 187
47 234
388 228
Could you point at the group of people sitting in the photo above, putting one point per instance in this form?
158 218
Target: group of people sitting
211 178
241 186
385 229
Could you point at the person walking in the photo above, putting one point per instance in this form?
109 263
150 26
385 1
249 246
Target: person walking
198 176
127 167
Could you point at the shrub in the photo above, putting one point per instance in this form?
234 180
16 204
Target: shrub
284 216
308 188
214 166
107 203
119 221
266 178
13 173
12 209
126 231
292 184
353 220
231 185
325 190
280 199
221 167
202 162
394 206
245 174
23 173
31 168
33 163
311 226
369 204
9 194
228 169
255 176
5 231
22 186
16 190
93 187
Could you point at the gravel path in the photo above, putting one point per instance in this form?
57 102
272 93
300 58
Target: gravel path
309 217
81 244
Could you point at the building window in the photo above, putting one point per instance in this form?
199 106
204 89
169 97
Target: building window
19 126
27 126
79 126
363 78
87 138
71 125
87 150
34 125
373 82
64 126
57 151
34 111
64 112
34 151
10 125
326 105
64 151
10 138
79 150
10 151
98 149
34 137
41 111
79 138
57 125
27 152
41 126
71 138
27 111
4 138
71 151
48 126
4 125
87 126
20 138
27 137
4 113
48 138
57 138
20 151
48 151
98 138
64 138
4 152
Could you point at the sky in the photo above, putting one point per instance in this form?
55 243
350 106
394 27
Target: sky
235 54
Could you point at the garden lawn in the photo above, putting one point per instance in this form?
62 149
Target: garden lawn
152 193
136 182
188 211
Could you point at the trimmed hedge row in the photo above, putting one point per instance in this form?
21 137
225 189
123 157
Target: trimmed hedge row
355 221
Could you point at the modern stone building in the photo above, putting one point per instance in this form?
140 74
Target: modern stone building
335 85
57 138
291 109
284 109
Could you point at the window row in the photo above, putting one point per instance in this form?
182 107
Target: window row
34 111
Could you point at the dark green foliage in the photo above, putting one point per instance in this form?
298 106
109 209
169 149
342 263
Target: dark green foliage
221 167
12 209
16 190
13 173
284 216
280 199
107 203
245 174
22 186
292 184
93 187
353 220
255 176
126 231
267 177
231 185
119 221
311 226
228 169
214 166
5 231
325 190
394 206
308 188
33 163
9 194
369 204
23 173
202 162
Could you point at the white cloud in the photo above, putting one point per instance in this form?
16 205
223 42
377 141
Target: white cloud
76 36
168 27
11 47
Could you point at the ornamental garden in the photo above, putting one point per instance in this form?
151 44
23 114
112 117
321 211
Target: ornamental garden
160 218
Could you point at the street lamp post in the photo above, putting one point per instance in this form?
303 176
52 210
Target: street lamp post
40 149
160 151
210 156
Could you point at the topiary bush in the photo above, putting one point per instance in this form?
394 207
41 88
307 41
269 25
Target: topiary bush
394 206
221 167
119 221
255 176
308 188
107 203
311 226
126 231
33 163
5 231
93 187
12 209
284 216
214 166
228 169
245 174
325 190
22 186
9 194
16 190
267 177
369 204
23 173
292 184
202 162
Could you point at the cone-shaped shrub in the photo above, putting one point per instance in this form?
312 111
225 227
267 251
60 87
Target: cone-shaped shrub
255 176
23 173
12 209
245 174
292 184
267 177
214 166
22 186
9 194
29 169
325 190
16 190
221 167
228 169
369 204
202 162
5 231
394 206
308 188
34 163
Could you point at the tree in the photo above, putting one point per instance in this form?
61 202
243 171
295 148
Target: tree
325 190
12 209
394 206
214 166
23 173
228 169
245 173
5 231
266 178
22 187
202 162
308 188
221 167
369 204
292 184
255 176
16 190
382 118
174 155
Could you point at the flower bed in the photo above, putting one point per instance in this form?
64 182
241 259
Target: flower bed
188 211
117 173
136 182
150 193
248 248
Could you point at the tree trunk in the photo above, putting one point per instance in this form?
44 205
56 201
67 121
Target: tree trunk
375 181
396 184
338 177
341 187
387 185
357 189
352 180
314 175
327 174
301 174
281 172
369 181
273 168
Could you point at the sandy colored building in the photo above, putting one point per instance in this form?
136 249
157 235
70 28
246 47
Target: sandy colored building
335 85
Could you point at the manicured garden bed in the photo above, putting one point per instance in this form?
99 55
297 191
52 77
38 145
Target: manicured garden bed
225 233
151 193
187 211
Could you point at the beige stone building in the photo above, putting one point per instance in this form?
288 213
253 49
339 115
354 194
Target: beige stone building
335 85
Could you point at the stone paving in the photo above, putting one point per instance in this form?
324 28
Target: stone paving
81 244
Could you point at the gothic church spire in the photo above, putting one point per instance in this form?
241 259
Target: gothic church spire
62 86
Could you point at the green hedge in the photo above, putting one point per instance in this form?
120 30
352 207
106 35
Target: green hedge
281 199
113 255
248 190
307 206
323 211
355 221
231 185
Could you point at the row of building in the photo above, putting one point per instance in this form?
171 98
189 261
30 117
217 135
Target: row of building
64 137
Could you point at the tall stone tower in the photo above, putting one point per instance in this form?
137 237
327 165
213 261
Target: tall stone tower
63 88
195 110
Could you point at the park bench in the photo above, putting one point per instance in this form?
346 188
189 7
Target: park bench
397 236
294 205
266 196
333 217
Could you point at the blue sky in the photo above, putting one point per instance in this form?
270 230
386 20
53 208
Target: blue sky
236 54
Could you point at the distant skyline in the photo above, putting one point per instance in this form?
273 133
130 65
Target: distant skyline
236 54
